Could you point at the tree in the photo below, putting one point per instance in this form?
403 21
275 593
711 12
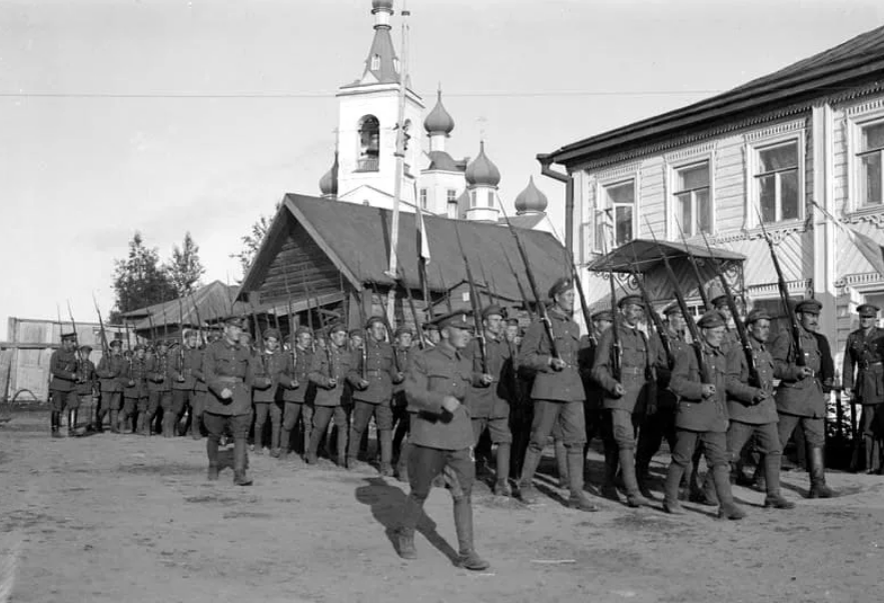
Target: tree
252 241
139 280
185 269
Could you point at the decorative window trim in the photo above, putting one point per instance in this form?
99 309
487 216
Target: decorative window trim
690 154
858 117
756 141
613 178
670 187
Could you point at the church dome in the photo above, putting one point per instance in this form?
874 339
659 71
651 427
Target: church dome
439 121
481 172
531 199
378 4
328 184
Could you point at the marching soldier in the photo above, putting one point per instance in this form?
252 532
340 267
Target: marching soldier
442 435
297 397
490 406
84 387
863 379
432 332
62 387
557 394
800 397
135 393
373 393
403 340
111 370
702 416
751 406
624 395
271 362
199 393
159 387
185 363
328 373
230 370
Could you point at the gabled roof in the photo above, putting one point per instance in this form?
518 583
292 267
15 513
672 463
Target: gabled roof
643 256
356 238
857 60
210 303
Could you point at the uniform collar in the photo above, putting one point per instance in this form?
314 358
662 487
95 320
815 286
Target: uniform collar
449 351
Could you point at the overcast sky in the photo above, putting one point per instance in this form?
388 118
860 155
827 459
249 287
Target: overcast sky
113 117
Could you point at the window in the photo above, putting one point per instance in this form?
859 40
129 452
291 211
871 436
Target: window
693 208
369 143
451 195
473 199
776 176
871 176
619 198
423 198
490 198
375 62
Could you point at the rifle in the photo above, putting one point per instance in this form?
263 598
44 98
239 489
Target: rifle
584 307
387 325
732 306
292 344
696 268
80 364
476 306
705 376
309 316
655 318
150 323
181 334
794 327
616 348
128 338
541 308
518 283
165 325
488 291
417 323
199 320
104 344
447 291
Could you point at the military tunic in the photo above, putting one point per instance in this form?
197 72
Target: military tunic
863 355
376 362
159 384
63 368
334 363
232 367
266 394
111 370
298 395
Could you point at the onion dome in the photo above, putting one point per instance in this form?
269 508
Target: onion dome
328 184
439 121
381 4
481 172
531 199
440 160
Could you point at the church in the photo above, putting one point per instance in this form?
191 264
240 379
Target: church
364 170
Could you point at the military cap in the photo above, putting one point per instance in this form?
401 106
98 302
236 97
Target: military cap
85 348
373 320
512 322
301 330
162 342
431 326
116 343
189 333
492 309
139 346
716 294
602 315
357 333
403 331
711 319
233 321
70 335
271 332
563 284
319 333
757 314
672 308
630 299
809 306
868 310
338 327
458 318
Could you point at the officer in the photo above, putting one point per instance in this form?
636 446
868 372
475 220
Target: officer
373 373
751 406
159 386
863 379
403 340
62 386
702 416
490 406
625 392
298 396
111 369
135 393
271 363
328 374
188 359
230 371
442 435
800 397
557 393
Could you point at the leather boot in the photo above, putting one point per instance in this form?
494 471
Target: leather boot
721 476
72 422
634 498
285 437
212 453
642 473
562 464
707 495
342 447
411 515
168 422
114 426
527 492
502 460
612 460
386 442
674 475
139 424
467 557
240 462
311 455
817 466
774 498
578 499
54 424
123 425
402 465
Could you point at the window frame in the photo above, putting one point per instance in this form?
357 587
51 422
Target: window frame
854 163
753 164
423 195
673 191
603 203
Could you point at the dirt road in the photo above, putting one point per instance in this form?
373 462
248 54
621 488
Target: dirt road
123 518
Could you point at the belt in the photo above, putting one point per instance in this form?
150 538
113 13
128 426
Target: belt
374 372
866 365
629 370
230 379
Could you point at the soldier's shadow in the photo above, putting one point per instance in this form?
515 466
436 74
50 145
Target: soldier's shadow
387 502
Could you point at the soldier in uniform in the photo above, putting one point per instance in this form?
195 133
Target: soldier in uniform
111 370
433 336
702 416
593 411
271 362
800 397
490 406
297 397
328 373
403 348
62 387
751 406
159 386
624 393
135 393
199 393
230 371
863 379
84 387
442 435
185 361
557 393
373 394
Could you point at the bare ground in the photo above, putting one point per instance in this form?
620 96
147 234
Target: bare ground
125 518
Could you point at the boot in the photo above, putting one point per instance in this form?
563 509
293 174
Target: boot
722 480
386 441
54 424
311 456
502 488
212 452
609 486
774 498
139 424
467 557
562 464
168 422
240 462
405 534
502 460
402 465
634 498
114 427
72 422
642 474
98 424
284 439
707 495
816 463
578 499
123 425
527 492
342 449
671 486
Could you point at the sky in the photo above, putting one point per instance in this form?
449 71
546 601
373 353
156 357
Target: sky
169 116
